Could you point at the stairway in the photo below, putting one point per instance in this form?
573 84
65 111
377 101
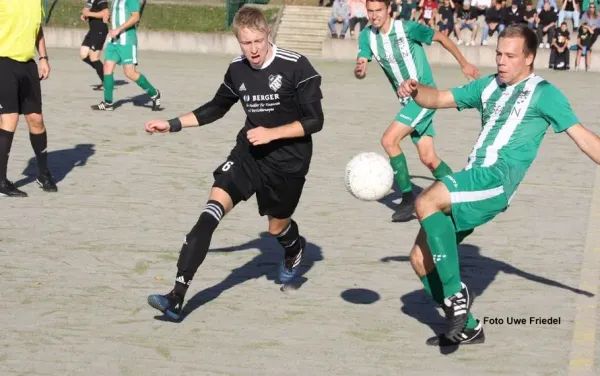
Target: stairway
303 29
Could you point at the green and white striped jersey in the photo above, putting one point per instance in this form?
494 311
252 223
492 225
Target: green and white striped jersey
514 121
400 52
120 12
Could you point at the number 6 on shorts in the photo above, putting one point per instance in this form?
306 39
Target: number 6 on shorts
227 166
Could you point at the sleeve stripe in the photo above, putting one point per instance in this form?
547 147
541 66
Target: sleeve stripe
288 52
286 58
316 75
230 89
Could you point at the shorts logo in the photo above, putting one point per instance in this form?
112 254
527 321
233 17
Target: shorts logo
452 180
275 82
406 117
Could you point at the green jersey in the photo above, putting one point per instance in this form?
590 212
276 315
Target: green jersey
400 52
120 13
514 121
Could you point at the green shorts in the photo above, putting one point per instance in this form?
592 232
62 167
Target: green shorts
476 195
121 54
418 118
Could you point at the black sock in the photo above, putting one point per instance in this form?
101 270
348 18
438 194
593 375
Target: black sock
88 61
194 250
39 143
289 240
97 65
6 139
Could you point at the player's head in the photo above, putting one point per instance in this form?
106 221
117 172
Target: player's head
515 53
252 31
378 12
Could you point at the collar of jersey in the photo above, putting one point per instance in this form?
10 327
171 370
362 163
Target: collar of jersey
389 31
523 80
268 62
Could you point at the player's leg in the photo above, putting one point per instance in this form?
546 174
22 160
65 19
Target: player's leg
85 54
279 201
232 185
9 117
96 63
424 266
129 53
111 59
31 107
423 136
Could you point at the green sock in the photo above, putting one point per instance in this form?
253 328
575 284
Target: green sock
441 238
147 86
433 279
471 322
442 170
401 174
109 85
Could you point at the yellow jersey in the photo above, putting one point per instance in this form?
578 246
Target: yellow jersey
20 22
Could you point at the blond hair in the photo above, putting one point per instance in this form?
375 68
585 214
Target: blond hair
249 17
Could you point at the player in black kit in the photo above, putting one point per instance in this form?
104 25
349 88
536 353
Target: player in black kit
97 14
280 92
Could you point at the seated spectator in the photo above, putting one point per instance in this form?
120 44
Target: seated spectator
446 17
405 10
529 15
585 4
559 55
546 22
513 15
570 9
358 15
494 21
593 23
540 5
340 14
481 6
466 17
428 12
584 40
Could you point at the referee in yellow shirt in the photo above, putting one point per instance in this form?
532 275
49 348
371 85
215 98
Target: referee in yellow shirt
20 93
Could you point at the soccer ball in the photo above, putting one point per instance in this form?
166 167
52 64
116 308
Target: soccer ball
369 176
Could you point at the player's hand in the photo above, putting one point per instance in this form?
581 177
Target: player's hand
260 136
114 33
361 68
407 88
157 126
44 69
470 71
83 18
106 18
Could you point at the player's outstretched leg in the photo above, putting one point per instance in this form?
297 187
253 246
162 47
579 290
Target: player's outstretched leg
39 142
423 265
287 234
193 252
429 158
431 208
391 143
143 83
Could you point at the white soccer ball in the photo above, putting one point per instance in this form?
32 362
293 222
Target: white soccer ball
369 176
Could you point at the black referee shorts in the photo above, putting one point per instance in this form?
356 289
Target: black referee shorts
242 176
95 38
20 90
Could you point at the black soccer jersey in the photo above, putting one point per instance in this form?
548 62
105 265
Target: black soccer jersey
96 6
271 97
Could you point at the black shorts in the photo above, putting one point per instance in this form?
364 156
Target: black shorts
241 175
95 38
20 90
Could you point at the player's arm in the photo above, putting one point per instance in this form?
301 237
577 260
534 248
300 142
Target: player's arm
89 14
587 141
311 122
427 96
364 54
40 45
135 18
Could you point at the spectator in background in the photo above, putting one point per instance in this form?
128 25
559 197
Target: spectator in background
540 5
358 15
481 6
428 12
584 40
529 15
446 17
593 24
340 14
559 55
546 21
466 17
513 15
494 21
585 4
405 10
570 9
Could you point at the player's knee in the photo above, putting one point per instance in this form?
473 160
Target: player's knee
390 142
416 259
423 205
35 122
131 74
429 159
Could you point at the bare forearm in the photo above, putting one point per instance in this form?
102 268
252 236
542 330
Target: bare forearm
587 141
40 43
130 22
427 97
188 120
292 130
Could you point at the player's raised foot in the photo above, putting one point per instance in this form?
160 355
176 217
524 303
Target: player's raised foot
405 210
290 265
8 189
456 308
156 101
169 304
465 337
103 106
46 182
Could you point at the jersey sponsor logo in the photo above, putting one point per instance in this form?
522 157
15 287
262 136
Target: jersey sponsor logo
261 102
275 82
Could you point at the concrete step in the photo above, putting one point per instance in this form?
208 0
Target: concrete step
297 25
309 11
301 38
307 33
300 21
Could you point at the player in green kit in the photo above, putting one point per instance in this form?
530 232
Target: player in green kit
516 107
398 48
122 50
